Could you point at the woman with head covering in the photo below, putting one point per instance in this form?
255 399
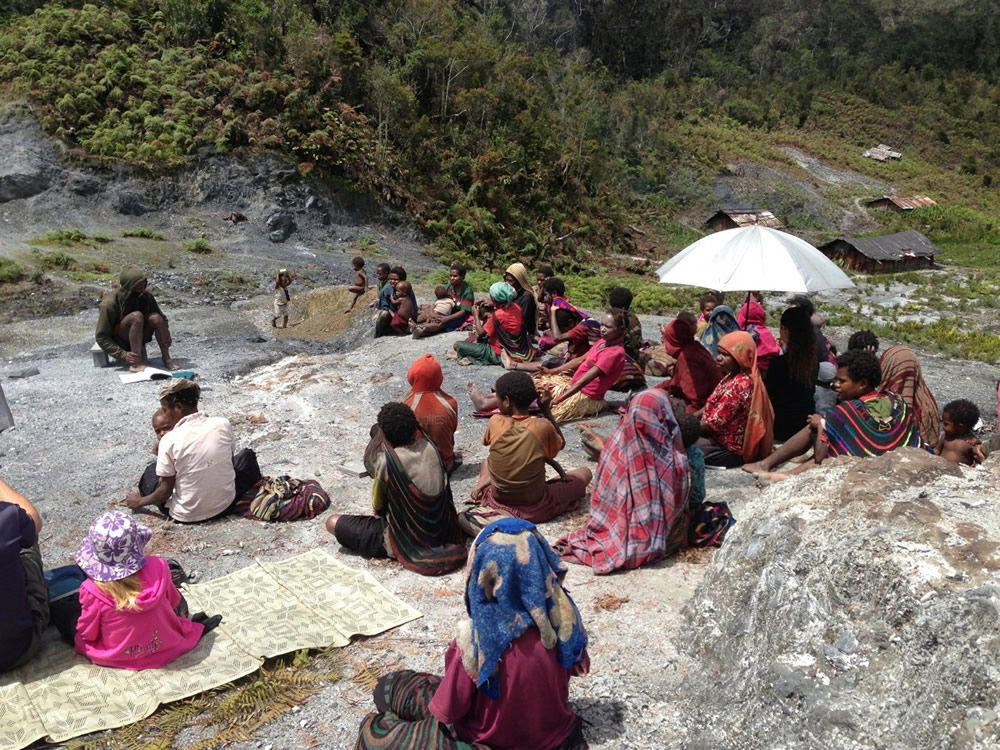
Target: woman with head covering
901 375
640 491
737 422
752 318
503 331
791 379
695 372
720 322
506 680
436 411
524 295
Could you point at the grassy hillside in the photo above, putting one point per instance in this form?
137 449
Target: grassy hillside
506 133
503 134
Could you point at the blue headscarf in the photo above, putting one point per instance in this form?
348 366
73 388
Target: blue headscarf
502 292
513 584
720 322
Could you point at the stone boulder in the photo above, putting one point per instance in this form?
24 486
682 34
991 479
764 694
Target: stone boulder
853 606
280 226
29 164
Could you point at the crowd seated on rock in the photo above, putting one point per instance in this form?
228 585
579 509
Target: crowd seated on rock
578 387
866 422
498 328
463 298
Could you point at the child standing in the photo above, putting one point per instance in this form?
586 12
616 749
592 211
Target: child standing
127 605
506 680
360 284
959 443
282 281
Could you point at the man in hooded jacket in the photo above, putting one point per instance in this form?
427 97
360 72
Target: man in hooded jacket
130 318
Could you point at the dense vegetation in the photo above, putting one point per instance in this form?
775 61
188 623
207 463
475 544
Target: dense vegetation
529 128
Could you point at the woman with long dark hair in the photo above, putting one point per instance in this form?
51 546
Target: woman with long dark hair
791 377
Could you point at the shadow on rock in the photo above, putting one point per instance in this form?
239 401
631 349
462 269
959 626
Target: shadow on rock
603 718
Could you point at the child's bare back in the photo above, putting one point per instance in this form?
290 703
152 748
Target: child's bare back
967 450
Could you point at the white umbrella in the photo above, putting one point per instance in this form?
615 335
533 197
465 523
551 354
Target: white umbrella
753 259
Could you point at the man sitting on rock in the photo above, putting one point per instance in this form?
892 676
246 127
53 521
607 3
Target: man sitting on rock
25 610
128 320
194 460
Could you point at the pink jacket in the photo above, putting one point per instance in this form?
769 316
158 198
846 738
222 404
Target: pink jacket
152 636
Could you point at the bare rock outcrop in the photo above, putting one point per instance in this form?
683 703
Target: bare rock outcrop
856 606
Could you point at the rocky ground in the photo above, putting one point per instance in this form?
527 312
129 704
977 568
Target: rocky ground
305 406
304 400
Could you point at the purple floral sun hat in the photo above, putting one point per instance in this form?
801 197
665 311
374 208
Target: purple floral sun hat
113 547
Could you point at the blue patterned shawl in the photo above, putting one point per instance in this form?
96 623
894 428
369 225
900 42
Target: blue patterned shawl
513 584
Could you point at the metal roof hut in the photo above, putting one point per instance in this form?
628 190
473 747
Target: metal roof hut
900 204
733 218
904 251
881 152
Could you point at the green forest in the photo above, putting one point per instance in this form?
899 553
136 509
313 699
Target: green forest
525 128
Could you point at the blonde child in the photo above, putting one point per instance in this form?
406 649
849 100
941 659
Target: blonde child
360 284
282 281
128 603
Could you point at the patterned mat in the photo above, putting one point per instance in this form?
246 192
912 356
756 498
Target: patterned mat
309 601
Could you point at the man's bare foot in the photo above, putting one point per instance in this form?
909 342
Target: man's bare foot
138 367
169 364
451 354
478 399
757 467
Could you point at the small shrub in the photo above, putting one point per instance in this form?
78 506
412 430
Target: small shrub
143 233
56 261
62 237
199 246
10 271
101 239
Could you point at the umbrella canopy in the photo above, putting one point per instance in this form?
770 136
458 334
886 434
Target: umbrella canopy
753 258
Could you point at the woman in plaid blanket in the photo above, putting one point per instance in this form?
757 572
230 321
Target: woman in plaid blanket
640 491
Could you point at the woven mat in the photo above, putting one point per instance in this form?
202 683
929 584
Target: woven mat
309 601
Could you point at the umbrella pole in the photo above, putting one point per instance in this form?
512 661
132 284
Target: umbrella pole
747 316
